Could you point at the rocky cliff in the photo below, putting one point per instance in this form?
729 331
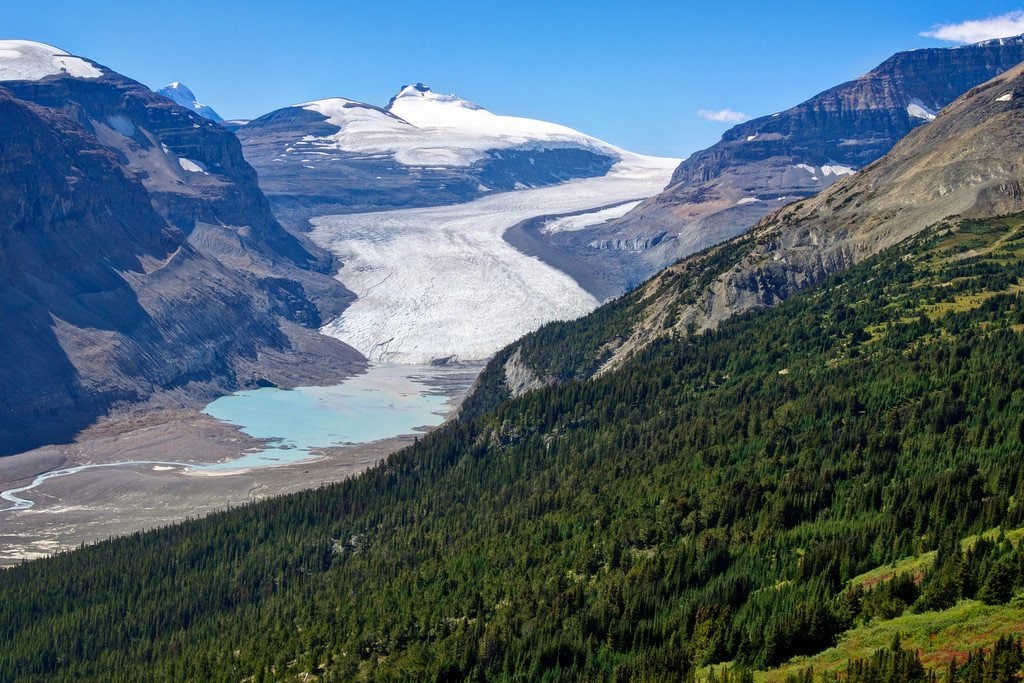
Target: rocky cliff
140 260
195 173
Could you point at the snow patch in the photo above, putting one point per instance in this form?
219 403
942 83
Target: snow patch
122 125
1005 98
747 200
191 165
826 170
588 219
917 110
752 137
25 60
836 169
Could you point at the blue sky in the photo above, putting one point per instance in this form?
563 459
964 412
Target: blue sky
632 73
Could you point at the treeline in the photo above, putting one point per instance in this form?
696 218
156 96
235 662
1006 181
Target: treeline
708 502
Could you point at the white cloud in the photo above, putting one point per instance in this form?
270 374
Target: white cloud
976 30
722 115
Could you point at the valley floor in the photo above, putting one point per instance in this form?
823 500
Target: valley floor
95 504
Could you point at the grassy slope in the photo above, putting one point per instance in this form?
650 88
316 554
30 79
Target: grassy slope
939 636
920 564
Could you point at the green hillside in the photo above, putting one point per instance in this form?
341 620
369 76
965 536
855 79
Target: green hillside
710 501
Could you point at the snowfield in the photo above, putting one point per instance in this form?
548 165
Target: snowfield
917 110
25 60
441 283
423 128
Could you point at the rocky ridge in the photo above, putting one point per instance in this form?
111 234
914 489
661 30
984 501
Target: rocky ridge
967 163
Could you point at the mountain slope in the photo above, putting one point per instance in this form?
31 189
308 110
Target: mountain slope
706 499
192 168
968 162
182 96
706 502
131 272
722 191
424 149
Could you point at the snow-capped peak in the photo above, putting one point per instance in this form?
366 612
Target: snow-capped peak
423 92
426 109
413 90
422 128
180 94
26 60
182 89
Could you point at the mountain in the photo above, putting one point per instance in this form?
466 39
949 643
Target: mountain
758 165
842 464
140 260
967 163
423 149
182 96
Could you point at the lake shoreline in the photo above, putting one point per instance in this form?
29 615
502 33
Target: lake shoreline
95 504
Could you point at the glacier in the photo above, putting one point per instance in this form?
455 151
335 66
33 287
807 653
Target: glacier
440 284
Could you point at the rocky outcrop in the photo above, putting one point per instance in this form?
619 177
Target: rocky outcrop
760 165
193 168
519 378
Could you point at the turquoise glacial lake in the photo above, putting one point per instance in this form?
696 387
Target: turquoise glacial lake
386 401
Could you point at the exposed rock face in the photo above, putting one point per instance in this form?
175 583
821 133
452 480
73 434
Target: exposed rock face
519 378
967 163
722 191
198 180
141 262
